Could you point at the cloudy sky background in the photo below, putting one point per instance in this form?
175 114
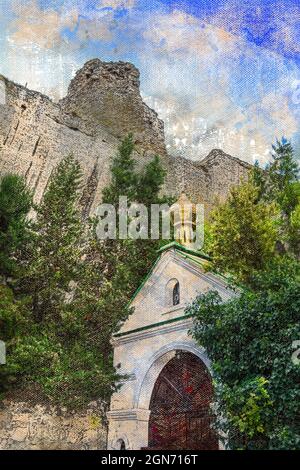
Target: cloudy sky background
220 73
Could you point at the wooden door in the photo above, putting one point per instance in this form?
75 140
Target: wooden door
180 415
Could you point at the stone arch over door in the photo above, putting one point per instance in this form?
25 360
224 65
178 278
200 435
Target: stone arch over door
154 366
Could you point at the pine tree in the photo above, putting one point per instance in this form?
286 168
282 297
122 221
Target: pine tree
15 203
54 253
143 187
282 174
259 179
150 182
52 349
282 186
279 184
124 178
75 291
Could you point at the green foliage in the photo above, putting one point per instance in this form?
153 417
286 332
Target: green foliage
14 321
250 342
294 229
118 266
71 293
12 314
53 255
243 232
102 296
15 202
246 405
140 187
150 182
260 219
282 173
49 342
280 183
70 375
132 259
124 178
258 179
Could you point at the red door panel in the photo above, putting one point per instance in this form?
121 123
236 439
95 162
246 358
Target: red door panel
180 406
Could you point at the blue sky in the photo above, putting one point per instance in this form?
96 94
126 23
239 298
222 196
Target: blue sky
221 73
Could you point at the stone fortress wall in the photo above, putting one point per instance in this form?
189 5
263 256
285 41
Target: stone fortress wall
38 427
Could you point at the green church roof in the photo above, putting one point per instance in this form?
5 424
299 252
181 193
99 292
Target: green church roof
177 246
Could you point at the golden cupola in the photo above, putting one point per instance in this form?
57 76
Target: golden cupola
183 214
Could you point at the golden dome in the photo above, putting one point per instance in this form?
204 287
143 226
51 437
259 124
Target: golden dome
184 220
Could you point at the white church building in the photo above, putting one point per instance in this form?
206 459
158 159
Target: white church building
164 401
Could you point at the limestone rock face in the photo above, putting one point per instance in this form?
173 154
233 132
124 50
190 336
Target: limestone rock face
35 134
108 93
103 104
207 181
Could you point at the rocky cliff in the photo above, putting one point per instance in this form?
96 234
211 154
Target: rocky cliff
103 104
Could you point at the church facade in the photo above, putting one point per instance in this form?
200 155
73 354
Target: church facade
164 401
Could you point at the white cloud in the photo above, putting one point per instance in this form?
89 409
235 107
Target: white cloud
193 79
178 31
40 27
117 4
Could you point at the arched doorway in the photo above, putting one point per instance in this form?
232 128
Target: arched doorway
180 415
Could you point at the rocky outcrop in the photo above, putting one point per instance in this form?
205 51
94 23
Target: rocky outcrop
108 93
207 181
103 104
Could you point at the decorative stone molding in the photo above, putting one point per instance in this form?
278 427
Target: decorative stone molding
127 415
155 365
